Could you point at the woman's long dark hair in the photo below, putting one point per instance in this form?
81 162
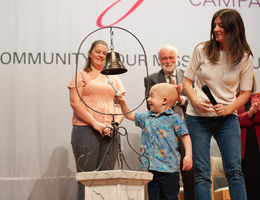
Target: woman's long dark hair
87 67
234 35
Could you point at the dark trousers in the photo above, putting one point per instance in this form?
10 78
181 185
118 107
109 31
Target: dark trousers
187 176
251 165
91 152
164 186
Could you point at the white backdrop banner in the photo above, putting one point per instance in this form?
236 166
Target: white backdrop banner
40 40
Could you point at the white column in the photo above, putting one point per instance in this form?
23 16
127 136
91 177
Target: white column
114 184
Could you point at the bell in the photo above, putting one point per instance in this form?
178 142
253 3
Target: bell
113 64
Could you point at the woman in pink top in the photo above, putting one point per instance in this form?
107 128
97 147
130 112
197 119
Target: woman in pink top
89 140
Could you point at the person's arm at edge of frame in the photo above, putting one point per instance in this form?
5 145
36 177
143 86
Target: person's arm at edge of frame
187 160
129 115
244 117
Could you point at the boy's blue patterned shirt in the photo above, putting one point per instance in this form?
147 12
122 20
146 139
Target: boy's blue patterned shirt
159 139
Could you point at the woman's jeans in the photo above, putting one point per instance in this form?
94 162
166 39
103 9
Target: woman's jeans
226 131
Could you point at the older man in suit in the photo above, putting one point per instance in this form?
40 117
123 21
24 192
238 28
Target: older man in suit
171 74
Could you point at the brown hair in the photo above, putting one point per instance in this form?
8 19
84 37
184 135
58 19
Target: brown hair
235 37
87 67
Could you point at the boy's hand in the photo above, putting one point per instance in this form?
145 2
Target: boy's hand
187 163
125 110
121 97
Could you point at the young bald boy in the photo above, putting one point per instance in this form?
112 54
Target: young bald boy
160 128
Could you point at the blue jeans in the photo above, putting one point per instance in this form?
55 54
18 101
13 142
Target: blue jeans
164 186
226 131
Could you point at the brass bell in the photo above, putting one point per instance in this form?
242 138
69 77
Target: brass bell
113 64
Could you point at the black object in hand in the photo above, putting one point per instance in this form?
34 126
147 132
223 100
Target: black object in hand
206 90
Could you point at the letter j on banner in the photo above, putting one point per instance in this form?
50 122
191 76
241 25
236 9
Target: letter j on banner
99 24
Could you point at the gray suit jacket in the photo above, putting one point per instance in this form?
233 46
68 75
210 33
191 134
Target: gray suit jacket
159 77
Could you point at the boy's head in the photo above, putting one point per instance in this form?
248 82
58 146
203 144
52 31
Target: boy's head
162 97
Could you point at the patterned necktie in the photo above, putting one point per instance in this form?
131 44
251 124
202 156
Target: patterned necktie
171 81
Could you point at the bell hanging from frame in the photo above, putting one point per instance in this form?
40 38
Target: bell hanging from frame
113 64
